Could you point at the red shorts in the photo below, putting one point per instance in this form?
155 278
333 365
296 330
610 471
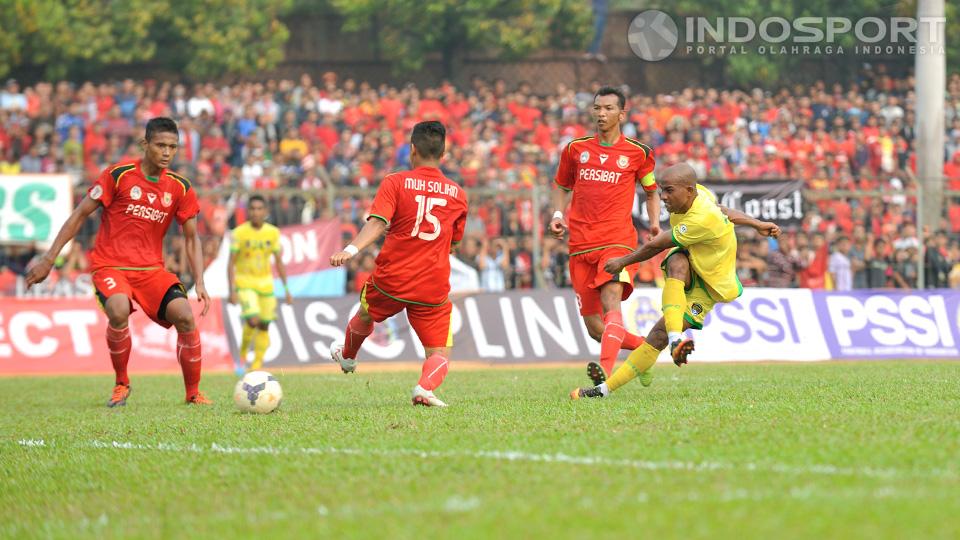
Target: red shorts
431 323
588 275
147 287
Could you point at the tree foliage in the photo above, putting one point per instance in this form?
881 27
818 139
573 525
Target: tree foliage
201 39
410 30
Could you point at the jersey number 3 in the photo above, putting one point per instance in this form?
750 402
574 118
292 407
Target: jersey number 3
424 207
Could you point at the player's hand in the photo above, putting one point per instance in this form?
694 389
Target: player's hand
204 297
341 258
767 228
38 270
289 298
234 298
654 231
557 227
614 266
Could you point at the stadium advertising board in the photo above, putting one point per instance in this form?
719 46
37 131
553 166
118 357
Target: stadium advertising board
67 336
768 200
33 207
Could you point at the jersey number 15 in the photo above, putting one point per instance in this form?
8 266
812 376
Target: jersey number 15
424 207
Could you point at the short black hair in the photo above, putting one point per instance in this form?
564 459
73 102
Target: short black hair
611 91
429 138
161 124
256 197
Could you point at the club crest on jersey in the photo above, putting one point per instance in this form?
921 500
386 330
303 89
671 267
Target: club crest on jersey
152 197
584 156
603 158
167 199
623 161
135 193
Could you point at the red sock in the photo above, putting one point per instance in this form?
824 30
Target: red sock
631 341
433 372
119 344
188 354
357 331
612 339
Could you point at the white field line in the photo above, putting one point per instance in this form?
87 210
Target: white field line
518 456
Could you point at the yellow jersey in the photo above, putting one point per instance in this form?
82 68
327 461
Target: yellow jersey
252 249
709 237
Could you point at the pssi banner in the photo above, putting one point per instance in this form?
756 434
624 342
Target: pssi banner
67 336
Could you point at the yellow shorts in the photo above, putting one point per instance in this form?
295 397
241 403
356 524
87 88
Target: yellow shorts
256 304
699 300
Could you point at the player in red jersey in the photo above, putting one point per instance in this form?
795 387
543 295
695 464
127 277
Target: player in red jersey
140 199
602 172
426 213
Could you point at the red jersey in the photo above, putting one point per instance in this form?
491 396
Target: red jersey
137 211
426 213
603 180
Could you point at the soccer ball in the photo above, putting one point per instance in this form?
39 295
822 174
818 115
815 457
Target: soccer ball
257 392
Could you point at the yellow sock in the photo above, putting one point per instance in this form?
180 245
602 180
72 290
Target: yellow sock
640 360
260 343
674 304
245 338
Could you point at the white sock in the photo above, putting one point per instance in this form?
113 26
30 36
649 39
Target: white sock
604 389
674 336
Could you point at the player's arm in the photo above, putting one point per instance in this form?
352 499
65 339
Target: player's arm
282 272
371 231
39 271
765 228
191 241
653 212
563 190
660 242
648 181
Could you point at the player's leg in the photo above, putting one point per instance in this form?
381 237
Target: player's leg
250 314
374 307
113 295
612 291
261 339
678 281
175 309
432 325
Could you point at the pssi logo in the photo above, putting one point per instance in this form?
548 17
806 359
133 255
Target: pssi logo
888 321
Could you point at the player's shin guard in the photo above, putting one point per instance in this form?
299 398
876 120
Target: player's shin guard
188 354
119 344
357 331
433 372
631 341
674 303
261 341
611 340
640 360
245 338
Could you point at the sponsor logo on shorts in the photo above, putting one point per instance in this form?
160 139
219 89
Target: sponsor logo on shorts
584 156
96 192
696 309
135 193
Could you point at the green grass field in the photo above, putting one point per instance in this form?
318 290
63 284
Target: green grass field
844 450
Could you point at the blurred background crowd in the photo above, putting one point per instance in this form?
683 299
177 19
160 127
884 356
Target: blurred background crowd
318 148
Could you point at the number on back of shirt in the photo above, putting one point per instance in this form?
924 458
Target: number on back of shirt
424 207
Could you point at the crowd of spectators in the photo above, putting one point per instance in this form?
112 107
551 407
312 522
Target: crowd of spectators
319 148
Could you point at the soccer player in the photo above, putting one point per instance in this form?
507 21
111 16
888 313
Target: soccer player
423 214
601 173
140 199
251 280
700 270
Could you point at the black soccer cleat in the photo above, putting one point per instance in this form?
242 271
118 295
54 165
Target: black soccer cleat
596 373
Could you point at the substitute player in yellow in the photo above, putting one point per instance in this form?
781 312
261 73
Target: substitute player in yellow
700 270
251 279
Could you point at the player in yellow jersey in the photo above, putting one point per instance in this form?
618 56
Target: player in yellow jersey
251 279
701 270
